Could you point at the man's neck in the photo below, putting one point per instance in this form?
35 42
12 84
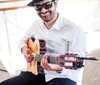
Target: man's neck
50 23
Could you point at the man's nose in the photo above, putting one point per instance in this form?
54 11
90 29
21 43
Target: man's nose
43 10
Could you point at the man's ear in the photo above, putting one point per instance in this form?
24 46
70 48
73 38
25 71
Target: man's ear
56 2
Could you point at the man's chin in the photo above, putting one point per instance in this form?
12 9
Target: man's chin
45 20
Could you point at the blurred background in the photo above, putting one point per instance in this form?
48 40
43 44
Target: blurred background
16 18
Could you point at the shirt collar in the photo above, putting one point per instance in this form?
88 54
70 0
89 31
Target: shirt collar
57 24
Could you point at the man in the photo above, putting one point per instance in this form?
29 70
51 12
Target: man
57 32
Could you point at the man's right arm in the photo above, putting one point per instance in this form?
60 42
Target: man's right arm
23 44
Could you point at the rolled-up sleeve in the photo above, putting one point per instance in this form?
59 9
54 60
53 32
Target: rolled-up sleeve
29 33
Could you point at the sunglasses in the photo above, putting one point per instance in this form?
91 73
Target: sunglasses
47 5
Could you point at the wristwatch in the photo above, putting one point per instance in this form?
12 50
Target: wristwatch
59 71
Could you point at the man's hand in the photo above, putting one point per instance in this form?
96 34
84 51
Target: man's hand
48 66
27 54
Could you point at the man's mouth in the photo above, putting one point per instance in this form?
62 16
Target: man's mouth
44 14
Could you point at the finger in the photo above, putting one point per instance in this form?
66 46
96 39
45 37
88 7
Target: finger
29 58
26 55
42 63
45 60
29 51
46 64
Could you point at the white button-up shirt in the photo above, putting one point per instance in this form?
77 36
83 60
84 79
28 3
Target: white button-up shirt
57 38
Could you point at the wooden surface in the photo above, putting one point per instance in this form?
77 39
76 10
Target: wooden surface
13 8
5 1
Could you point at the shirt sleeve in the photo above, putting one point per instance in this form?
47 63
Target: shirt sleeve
29 33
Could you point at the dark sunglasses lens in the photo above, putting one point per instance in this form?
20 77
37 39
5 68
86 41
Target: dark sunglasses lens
38 7
48 5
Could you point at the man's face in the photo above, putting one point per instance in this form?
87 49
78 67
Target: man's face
46 9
